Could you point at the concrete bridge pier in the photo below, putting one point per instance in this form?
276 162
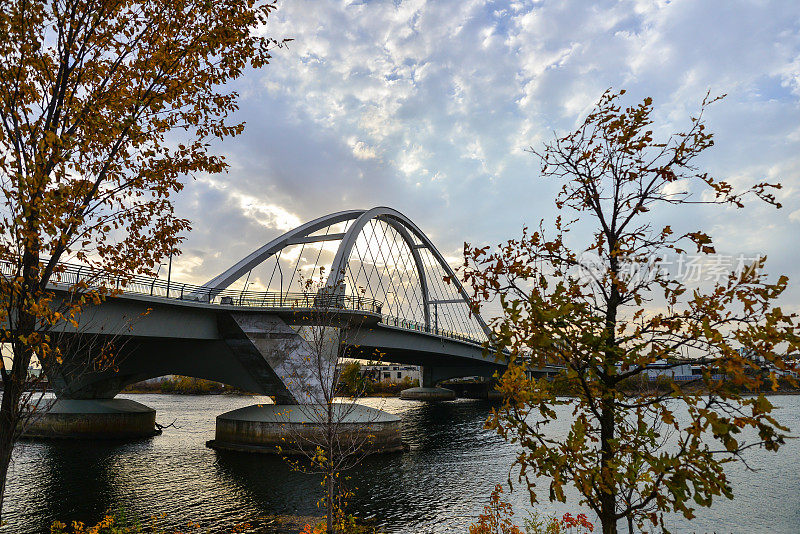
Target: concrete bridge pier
484 390
299 428
300 420
92 419
428 391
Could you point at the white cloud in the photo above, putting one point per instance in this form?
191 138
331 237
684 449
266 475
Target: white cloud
676 187
363 151
267 215
411 159
426 106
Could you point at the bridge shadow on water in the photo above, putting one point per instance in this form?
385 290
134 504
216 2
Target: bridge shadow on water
71 480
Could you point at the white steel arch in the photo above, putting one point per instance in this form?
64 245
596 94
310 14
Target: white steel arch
292 237
302 234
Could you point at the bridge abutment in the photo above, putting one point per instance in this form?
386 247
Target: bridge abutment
122 419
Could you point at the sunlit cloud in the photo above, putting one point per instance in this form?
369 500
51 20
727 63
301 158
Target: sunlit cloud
429 106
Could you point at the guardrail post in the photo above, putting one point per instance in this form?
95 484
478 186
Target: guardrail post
182 288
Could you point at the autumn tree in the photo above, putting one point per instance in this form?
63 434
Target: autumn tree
352 381
336 433
105 105
602 304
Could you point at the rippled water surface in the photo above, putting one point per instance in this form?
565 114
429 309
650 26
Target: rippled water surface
438 486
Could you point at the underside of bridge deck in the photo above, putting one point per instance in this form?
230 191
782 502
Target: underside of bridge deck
257 351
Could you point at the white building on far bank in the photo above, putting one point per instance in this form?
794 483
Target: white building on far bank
390 372
675 370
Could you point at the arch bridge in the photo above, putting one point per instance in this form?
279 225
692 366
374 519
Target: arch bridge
371 274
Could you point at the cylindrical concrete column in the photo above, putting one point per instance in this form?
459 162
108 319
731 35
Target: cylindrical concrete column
426 379
293 429
427 390
428 394
92 418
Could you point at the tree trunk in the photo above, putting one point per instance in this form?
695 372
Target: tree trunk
330 510
608 498
608 494
10 414
329 458
14 382
8 427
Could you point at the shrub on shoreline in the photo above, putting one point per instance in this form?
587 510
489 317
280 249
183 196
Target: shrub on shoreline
353 382
183 385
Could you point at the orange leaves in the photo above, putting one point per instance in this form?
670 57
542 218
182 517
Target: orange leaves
90 97
627 452
703 242
316 529
496 517
90 161
580 523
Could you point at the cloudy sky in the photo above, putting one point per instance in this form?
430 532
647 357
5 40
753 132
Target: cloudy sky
427 107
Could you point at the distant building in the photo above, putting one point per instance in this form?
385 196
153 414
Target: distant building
390 372
677 370
766 365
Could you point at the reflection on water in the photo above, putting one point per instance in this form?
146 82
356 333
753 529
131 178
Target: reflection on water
438 486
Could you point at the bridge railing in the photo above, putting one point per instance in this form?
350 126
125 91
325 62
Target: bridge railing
70 275
420 327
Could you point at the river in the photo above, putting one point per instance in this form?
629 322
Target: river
439 485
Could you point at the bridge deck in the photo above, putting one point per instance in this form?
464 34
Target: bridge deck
70 275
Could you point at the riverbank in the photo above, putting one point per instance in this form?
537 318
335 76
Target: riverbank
186 385
121 523
642 385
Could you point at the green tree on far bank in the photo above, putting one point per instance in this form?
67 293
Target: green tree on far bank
352 382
